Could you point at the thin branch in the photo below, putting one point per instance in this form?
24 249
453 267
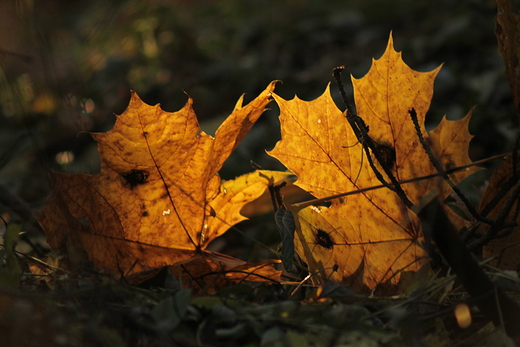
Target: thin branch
499 223
438 166
411 180
506 187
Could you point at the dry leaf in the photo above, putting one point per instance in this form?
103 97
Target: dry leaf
507 248
507 31
158 200
370 238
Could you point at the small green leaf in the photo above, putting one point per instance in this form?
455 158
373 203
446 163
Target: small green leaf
11 272
285 222
170 311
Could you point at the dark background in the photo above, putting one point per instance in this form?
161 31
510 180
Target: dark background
67 66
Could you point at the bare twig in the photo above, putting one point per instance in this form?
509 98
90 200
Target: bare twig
499 223
411 180
504 311
438 166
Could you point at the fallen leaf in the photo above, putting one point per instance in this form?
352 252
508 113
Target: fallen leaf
264 204
507 31
507 248
158 200
209 270
370 238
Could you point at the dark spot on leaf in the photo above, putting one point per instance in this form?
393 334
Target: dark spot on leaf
387 153
450 166
335 267
145 214
212 212
323 239
135 177
145 133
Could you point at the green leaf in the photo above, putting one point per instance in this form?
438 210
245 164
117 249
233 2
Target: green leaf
285 222
170 311
11 272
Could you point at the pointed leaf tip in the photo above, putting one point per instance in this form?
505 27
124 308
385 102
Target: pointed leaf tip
370 238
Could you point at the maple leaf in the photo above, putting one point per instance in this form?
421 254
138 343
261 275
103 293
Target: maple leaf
507 30
370 238
158 199
507 247
504 181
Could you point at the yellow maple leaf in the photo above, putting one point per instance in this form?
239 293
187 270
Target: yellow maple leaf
370 238
158 199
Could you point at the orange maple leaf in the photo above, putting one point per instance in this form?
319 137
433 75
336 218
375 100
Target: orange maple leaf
158 199
370 238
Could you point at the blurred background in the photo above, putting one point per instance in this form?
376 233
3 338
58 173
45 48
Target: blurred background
66 67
